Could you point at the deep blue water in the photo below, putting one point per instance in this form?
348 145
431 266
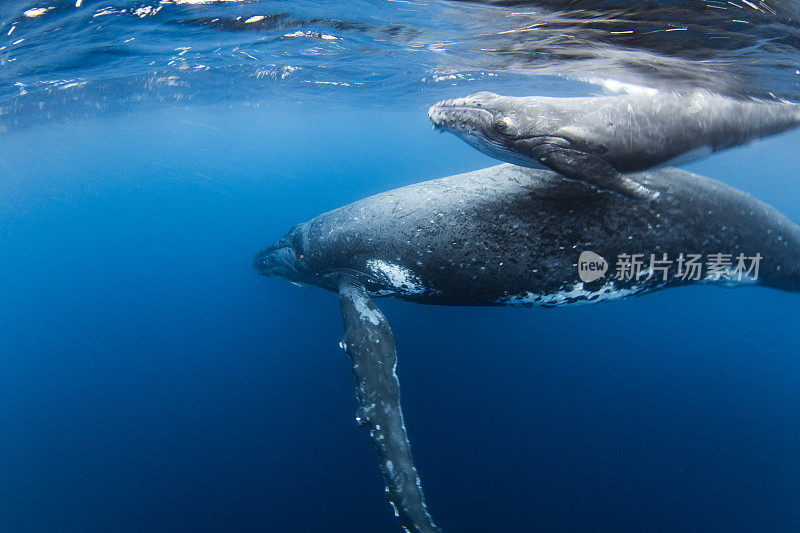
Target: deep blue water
150 380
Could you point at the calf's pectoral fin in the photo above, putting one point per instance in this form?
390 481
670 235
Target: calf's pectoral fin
369 342
590 169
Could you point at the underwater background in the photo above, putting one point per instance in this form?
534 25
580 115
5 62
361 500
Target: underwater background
151 380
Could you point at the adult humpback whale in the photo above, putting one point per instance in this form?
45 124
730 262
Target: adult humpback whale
510 235
595 139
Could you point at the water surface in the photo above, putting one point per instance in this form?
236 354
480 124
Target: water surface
151 380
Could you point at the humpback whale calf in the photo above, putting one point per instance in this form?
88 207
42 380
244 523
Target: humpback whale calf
509 235
596 139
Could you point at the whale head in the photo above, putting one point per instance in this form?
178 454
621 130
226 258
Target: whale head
286 258
496 125
301 258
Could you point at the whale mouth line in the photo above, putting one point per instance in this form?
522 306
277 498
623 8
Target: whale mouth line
269 259
277 245
457 119
463 107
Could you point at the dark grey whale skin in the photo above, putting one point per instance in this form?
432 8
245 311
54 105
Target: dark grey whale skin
629 132
512 235
595 139
502 235
369 342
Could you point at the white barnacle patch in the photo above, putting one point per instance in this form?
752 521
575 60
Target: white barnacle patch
577 294
400 278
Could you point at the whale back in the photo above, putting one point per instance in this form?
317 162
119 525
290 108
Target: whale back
508 234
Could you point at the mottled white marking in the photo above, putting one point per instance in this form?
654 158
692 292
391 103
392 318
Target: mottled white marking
371 315
402 279
565 296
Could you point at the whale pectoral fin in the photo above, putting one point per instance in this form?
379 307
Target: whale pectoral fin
590 169
369 342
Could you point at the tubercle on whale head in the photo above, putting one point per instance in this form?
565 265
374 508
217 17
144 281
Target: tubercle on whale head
477 114
285 258
495 125
293 259
491 124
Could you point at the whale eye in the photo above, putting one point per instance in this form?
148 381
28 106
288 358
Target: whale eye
502 125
